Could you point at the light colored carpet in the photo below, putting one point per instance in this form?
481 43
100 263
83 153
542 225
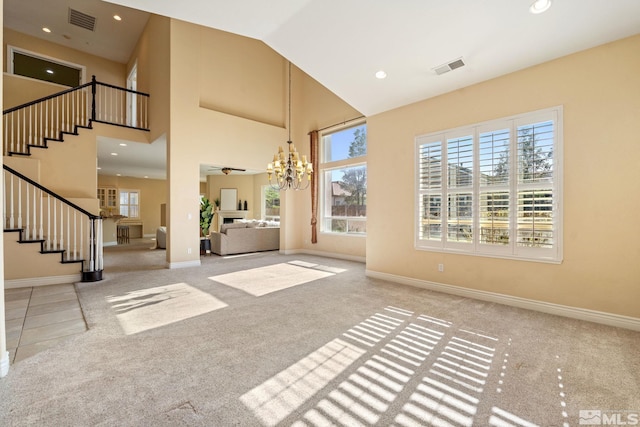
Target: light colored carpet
206 346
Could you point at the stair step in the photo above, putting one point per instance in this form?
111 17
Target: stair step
71 261
16 153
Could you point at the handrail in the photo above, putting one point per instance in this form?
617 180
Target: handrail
46 98
122 88
55 95
51 193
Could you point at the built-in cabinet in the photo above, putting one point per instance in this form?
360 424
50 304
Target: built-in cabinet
108 197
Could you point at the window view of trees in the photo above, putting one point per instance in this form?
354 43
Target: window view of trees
346 187
271 204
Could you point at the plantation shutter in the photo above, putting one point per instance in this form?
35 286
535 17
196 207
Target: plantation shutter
494 187
535 219
430 176
460 189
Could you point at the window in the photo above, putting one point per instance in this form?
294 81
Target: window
343 178
29 64
493 188
130 203
270 203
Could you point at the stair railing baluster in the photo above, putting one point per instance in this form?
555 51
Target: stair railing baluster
61 242
55 225
30 137
19 204
27 216
13 141
11 217
33 231
41 229
82 237
60 108
21 129
75 233
48 222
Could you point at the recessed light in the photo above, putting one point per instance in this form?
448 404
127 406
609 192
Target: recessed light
49 71
99 168
46 30
146 176
118 174
117 17
540 6
114 154
381 75
122 144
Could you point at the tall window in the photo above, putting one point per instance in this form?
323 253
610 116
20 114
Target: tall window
343 178
493 188
270 203
130 203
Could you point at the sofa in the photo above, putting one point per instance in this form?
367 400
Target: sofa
161 238
246 236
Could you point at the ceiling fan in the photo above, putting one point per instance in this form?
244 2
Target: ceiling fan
227 170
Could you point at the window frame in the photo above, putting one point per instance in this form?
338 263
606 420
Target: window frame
11 50
324 187
476 247
139 204
263 203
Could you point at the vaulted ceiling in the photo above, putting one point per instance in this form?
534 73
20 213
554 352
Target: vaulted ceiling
343 43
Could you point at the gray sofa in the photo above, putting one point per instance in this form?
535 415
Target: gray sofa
243 237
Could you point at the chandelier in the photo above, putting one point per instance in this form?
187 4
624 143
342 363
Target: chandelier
288 168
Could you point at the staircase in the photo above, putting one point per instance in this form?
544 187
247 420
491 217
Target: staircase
36 214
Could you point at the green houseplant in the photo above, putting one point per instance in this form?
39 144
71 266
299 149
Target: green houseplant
206 215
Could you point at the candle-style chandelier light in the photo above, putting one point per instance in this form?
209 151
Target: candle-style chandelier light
289 169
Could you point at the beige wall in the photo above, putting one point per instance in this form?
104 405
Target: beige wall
600 91
152 57
224 55
153 193
204 136
243 183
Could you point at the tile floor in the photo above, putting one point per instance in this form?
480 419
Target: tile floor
38 318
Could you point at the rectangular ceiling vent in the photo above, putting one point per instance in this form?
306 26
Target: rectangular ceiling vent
457 63
82 20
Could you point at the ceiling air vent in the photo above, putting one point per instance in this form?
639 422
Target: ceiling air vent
82 20
457 63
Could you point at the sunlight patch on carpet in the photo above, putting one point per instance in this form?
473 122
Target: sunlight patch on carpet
151 308
273 278
276 398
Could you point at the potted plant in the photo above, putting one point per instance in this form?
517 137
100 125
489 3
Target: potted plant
216 202
206 215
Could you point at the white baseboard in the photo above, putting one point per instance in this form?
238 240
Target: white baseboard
42 281
183 264
324 254
601 317
4 364
109 244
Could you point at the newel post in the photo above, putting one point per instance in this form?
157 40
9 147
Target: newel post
93 97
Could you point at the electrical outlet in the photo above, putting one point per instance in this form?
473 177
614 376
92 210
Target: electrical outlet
189 251
441 268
